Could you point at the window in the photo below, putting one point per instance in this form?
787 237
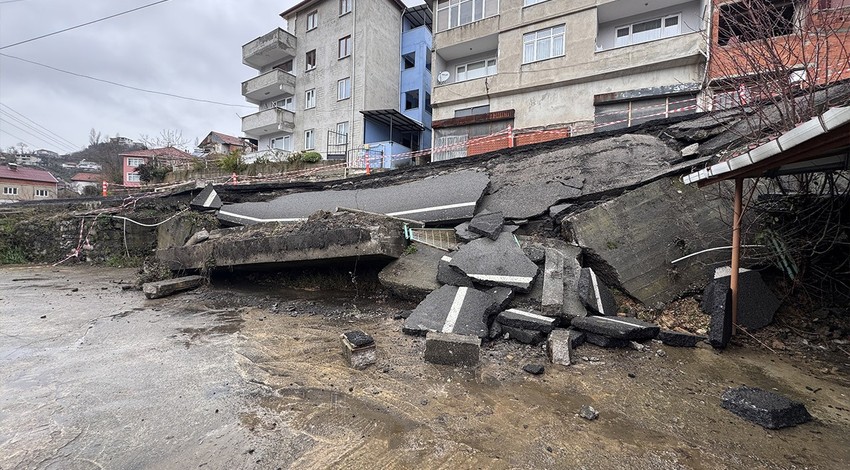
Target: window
310 60
411 99
312 20
479 69
281 143
345 47
409 60
344 7
134 162
454 13
10 191
286 66
287 103
310 98
631 113
527 3
41 193
772 18
544 44
472 111
342 133
648 30
133 177
428 59
343 89
309 141
427 101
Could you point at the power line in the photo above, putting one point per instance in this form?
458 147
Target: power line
38 138
55 135
43 136
11 1
83 24
172 95
23 141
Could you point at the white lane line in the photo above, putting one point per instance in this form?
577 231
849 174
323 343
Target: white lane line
531 315
451 319
596 291
429 209
617 321
447 259
502 279
210 198
255 219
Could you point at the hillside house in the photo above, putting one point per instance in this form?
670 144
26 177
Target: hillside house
26 184
166 155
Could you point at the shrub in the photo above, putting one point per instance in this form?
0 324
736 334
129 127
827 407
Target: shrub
232 162
153 172
311 157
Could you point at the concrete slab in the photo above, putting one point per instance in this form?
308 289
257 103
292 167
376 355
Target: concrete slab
502 296
526 320
359 349
487 224
208 199
156 290
496 263
595 295
767 409
756 304
452 349
617 328
414 274
452 309
679 339
559 347
553 283
448 274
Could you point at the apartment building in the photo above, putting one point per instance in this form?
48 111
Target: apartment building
334 81
576 65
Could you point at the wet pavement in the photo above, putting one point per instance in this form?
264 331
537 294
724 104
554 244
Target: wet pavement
96 376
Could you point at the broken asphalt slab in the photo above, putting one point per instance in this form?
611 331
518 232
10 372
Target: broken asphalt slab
452 349
496 263
452 309
447 274
595 295
756 303
629 329
679 339
487 224
412 276
516 318
767 409
207 200
159 289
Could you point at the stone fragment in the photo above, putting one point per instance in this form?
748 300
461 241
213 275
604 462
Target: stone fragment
198 237
559 347
156 290
526 320
559 210
594 294
767 409
720 326
524 336
496 263
447 274
577 338
534 369
452 349
413 275
756 303
572 307
535 253
588 412
502 296
464 234
618 327
452 309
359 349
553 283
690 151
495 330
487 224
207 200
679 339
606 342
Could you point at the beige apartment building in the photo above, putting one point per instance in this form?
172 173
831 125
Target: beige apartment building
579 65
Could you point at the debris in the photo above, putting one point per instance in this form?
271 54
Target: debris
588 412
463 233
690 151
502 296
606 342
594 294
559 347
359 349
496 263
448 274
720 329
488 224
207 200
198 237
617 328
637 346
553 283
413 275
452 309
577 338
522 335
660 353
495 330
534 369
156 290
767 409
756 303
516 318
679 339
559 210
451 349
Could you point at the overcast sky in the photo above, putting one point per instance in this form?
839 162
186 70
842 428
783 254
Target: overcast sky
184 47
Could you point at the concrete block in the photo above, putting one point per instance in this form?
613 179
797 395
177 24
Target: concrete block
155 290
559 347
452 349
359 349
553 283
464 234
487 224
606 342
630 329
524 336
767 409
679 339
452 309
413 275
756 303
595 295
447 274
577 338
720 326
496 263
526 320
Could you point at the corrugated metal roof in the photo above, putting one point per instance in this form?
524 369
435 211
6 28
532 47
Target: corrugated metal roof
24 173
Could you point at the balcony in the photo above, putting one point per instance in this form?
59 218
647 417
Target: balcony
269 121
268 85
268 49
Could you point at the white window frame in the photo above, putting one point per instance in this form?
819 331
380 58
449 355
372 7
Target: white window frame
310 98
309 139
287 103
344 47
343 89
131 162
285 143
489 68
133 177
455 9
342 133
10 191
42 193
307 66
528 3
344 7
663 30
312 20
542 39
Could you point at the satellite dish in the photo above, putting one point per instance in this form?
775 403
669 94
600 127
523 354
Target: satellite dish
443 77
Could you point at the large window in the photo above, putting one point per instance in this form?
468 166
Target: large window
282 143
411 99
342 133
309 139
134 162
454 13
312 20
756 19
631 113
310 98
478 69
343 89
409 60
134 177
345 47
472 111
310 60
10 191
648 30
287 103
544 44
41 193
344 7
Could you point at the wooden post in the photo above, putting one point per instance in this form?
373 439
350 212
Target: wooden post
736 249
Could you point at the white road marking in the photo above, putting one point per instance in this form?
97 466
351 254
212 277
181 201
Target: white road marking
447 259
429 209
617 321
503 279
451 319
210 198
256 219
596 291
531 315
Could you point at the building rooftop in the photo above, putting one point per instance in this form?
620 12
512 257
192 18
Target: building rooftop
88 177
167 152
227 139
26 174
309 3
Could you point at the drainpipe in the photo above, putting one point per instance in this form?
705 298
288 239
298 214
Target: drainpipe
354 73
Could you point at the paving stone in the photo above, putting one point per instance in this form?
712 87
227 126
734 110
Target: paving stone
534 369
526 320
156 290
617 328
452 349
447 274
464 234
767 409
559 347
720 326
487 224
452 309
553 283
606 342
359 349
502 296
524 336
679 339
496 263
207 200
756 303
594 294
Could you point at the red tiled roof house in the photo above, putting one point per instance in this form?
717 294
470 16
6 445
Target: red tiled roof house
133 160
216 142
26 184
80 181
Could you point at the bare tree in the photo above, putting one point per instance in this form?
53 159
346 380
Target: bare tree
166 138
94 137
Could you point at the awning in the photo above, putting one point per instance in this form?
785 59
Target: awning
392 117
419 15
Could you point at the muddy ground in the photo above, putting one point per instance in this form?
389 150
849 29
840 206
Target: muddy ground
92 375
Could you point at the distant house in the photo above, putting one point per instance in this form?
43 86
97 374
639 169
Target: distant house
216 142
28 160
44 153
88 166
80 181
26 184
69 165
121 140
166 155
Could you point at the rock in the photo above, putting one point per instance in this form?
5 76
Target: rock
502 296
534 369
207 200
553 283
198 237
661 353
359 349
690 151
358 338
452 309
577 338
720 328
588 412
637 346
594 294
606 342
495 330
156 290
617 328
526 320
447 274
413 275
777 345
679 339
767 409
524 336
452 349
756 303
559 347
535 253
464 234
488 224
496 263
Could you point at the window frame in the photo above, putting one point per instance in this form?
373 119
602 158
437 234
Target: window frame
41 192
312 19
10 190
343 89
139 162
346 42
345 7
406 93
528 3
661 30
535 38
134 177
338 133
486 69
288 103
307 54
454 9
309 142
310 98
409 58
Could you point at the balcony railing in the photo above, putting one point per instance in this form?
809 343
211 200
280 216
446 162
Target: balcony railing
268 85
269 121
268 49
